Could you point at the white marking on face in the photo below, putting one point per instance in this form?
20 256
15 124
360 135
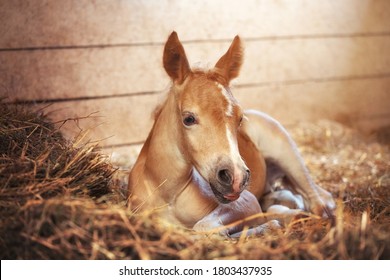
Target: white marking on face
233 147
225 93
237 160
232 144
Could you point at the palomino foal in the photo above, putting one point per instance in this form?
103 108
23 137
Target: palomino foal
206 163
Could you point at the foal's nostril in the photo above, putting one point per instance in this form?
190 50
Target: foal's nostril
248 175
224 176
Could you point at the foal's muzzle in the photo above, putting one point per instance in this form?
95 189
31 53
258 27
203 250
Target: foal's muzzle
230 183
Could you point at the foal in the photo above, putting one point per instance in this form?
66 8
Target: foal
206 163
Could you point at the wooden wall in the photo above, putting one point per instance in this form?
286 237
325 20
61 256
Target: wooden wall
305 60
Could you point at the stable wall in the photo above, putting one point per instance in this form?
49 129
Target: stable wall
304 60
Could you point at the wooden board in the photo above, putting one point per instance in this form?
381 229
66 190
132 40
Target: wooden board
305 60
119 121
115 71
72 22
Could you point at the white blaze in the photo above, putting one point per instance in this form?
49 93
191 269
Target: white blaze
237 160
233 146
225 93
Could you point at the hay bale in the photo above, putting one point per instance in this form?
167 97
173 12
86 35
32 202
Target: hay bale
37 163
34 152
59 201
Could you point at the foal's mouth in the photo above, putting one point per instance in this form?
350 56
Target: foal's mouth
225 198
232 196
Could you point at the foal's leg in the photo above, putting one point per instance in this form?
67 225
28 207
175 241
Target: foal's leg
261 230
277 146
282 197
282 205
233 218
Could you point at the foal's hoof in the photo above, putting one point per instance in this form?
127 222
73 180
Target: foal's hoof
326 212
325 205
284 214
282 197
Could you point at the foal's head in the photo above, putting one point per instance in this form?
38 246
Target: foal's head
208 118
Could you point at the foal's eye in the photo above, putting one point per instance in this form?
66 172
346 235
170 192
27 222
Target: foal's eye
241 118
189 119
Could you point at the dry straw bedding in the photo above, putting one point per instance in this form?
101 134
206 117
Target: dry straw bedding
61 200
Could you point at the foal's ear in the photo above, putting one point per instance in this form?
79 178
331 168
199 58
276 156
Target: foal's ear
228 66
175 59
